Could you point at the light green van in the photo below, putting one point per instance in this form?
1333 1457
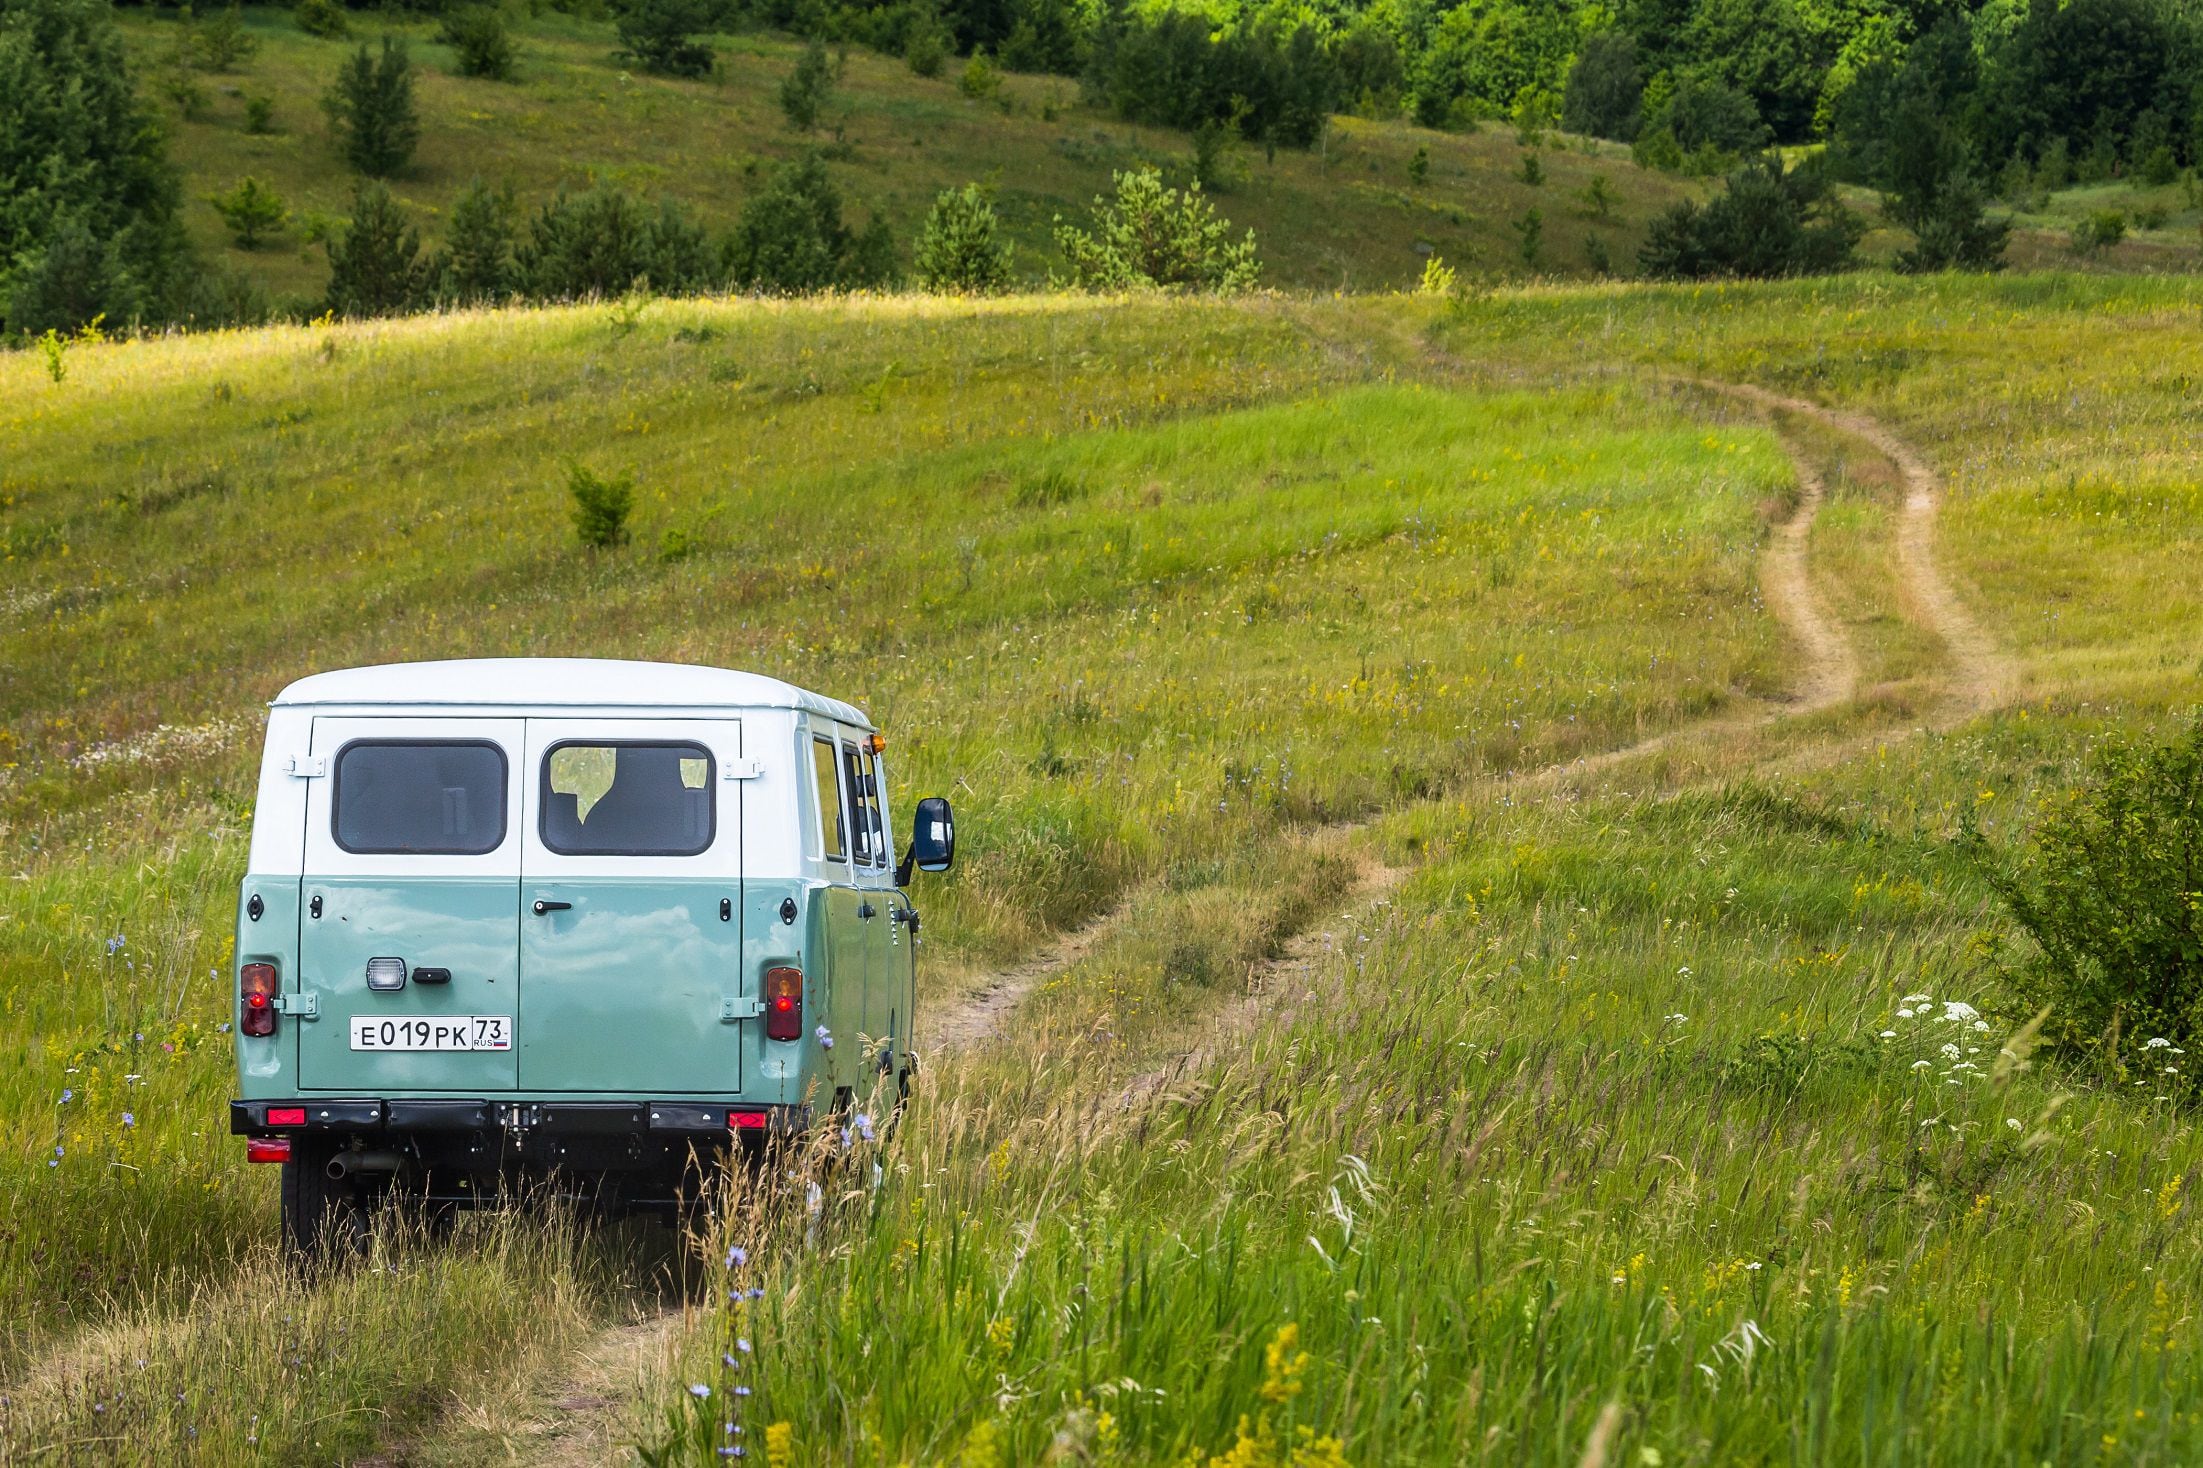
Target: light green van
603 921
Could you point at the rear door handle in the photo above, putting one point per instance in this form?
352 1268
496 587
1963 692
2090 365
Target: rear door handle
867 911
545 904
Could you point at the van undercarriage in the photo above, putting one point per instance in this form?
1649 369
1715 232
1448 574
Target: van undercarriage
342 1157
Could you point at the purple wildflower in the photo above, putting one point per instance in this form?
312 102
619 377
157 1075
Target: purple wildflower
742 1344
864 1126
741 1391
114 945
698 1390
825 1037
128 1119
737 1257
67 1095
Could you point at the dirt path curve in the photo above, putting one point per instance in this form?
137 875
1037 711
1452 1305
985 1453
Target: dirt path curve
1980 675
584 1421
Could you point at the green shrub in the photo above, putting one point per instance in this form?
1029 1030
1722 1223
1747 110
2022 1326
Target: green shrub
1768 222
2099 230
960 250
2109 888
370 107
375 266
221 43
252 210
1530 237
980 79
1597 255
2160 168
926 46
1532 171
1418 166
806 90
2151 216
478 263
259 115
1599 196
601 244
324 18
601 506
1146 235
480 42
661 35
791 240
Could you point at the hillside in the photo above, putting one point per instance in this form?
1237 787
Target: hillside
1459 803
1344 216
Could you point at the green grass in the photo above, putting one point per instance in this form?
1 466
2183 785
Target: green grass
1345 215
1163 592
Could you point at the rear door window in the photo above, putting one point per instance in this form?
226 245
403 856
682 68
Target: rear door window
419 798
627 799
828 778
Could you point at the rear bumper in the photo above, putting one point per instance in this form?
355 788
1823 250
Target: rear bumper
667 1120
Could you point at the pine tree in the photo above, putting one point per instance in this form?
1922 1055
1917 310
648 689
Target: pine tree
370 107
252 210
804 94
960 250
88 202
375 266
790 238
477 263
479 42
661 36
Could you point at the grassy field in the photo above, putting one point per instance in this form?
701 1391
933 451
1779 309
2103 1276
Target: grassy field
1611 1114
1346 215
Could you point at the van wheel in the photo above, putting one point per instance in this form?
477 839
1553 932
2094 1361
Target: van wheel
323 1220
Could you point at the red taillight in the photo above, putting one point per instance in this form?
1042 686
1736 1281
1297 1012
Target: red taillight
286 1116
747 1121
267 1149
256 999
784 1004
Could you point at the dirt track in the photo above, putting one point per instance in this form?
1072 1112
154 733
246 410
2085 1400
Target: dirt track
581 1422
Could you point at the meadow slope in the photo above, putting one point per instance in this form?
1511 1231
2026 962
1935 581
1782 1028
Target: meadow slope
1498 760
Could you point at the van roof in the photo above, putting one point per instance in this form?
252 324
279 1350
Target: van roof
565 683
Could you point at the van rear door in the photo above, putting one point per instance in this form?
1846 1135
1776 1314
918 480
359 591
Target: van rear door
631 907
410 916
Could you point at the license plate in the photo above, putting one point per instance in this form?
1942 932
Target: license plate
445 1032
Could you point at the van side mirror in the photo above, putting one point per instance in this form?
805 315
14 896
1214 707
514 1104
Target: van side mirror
932 839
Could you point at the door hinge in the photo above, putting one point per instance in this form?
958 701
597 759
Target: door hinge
743 769
734 1011
307 766
298 1006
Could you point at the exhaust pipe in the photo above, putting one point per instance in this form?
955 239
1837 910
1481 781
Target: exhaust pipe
344 1164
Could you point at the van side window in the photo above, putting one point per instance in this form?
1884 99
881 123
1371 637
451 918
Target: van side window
876 807
627 799
426 798
864 816
824 767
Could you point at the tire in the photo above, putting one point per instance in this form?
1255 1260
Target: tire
324 1222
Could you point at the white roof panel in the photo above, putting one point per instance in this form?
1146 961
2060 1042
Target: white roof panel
560 683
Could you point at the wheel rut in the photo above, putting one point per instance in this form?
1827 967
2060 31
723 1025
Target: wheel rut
579 1421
